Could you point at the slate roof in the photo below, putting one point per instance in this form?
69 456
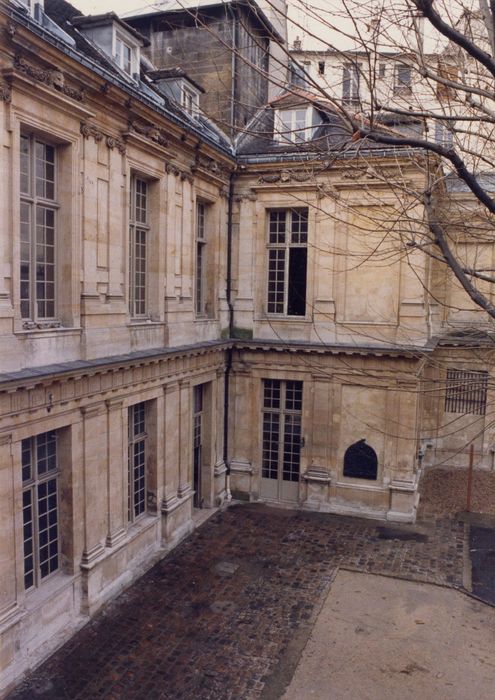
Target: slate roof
332 135
68 18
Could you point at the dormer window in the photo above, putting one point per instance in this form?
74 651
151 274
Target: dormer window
294 125
175 84
115 38
30 6
189 100
123 55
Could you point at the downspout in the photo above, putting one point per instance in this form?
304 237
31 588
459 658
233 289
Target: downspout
228 289
228 359
233 68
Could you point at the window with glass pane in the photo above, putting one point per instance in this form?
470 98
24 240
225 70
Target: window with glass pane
40 507
402 85
350 85
138 245
293 125
200 273
124 56
287 261
137 461
38 214
282 411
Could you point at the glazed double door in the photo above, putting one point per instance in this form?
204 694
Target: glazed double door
281 440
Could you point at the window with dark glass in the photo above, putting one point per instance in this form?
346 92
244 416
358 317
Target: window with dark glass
350 84
287 261
282 412
200 273
40 507
38 216
137 461
138 246
360 461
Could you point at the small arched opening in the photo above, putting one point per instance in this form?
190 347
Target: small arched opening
360 461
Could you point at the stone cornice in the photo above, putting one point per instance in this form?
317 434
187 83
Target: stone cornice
10 382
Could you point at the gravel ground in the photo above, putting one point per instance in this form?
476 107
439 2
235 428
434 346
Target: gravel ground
444 491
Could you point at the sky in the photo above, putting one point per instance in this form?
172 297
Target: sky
337 21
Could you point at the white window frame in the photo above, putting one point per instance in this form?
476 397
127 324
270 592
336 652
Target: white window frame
139 239
38 196
122 43
189 100
283 236
294 125
351 77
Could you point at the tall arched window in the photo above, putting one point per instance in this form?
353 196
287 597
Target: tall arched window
360 461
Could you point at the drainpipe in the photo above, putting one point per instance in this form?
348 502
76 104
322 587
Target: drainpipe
228 363
233 68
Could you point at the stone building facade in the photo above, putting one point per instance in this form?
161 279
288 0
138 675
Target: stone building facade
229 48
179 322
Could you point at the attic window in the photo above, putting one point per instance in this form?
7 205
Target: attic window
294 125
30 6
124 55
189 100
321 67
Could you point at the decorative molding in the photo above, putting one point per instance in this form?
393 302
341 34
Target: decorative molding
88 130
241 466
93 410
172 169
150 131
242 196
40 325
50 77
210 165
5 93
288 176
5 439
170 504
317 474
114 142
219 468
114 403
11 29
91 556
185 491
113 539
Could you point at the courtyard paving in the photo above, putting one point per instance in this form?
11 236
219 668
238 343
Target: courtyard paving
227 614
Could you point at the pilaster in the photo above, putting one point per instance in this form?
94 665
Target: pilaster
95 484
116 482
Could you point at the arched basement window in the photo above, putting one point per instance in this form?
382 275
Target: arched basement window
360 461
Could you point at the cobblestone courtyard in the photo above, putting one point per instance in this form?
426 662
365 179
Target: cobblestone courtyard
216 616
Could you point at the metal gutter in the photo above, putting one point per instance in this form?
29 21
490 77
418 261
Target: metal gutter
330 348
324 155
